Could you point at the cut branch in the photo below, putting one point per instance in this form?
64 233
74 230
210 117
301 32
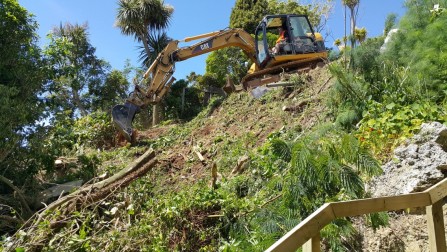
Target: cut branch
102 189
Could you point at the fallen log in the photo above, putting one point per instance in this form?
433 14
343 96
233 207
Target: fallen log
91 193
94 192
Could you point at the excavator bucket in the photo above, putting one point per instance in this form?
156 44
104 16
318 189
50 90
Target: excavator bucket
123 116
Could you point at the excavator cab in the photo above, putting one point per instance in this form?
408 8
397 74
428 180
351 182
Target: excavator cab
299 39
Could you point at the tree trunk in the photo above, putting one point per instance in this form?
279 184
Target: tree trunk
78 103
146 46
345 41
353 17
155 114
155 108
145 117
183 102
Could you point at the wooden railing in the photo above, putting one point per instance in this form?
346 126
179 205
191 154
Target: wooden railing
307 233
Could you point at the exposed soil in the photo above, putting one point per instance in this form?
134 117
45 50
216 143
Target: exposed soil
406 232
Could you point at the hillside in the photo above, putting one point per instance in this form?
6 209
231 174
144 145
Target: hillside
232 173
237 126
183 204
155 209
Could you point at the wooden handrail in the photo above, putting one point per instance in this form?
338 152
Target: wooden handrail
310 227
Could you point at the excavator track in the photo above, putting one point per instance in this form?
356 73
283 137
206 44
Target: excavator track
271 74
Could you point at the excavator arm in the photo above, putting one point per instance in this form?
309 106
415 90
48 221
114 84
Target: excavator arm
159 74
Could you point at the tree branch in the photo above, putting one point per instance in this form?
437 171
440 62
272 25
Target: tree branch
19 194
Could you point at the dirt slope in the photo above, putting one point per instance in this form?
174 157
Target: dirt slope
240 119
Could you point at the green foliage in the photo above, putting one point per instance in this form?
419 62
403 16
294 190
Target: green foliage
144 19
389 93
207 80
156 42
307 172
422 34
390 23
247 14
22 83
347 98
95 131
336 229
327 169
384 126
113 91
75 69
376 220
227 62
366 61
21 75
173 101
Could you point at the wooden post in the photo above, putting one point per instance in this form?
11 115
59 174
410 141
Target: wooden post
312 245
435 223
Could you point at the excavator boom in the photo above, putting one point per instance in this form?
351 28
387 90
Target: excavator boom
160 72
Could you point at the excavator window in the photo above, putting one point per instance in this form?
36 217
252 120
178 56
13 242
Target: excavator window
297 28
277 30
295 37
303 38
261 46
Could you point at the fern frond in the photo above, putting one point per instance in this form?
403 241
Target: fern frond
376 220
368 164
348 118
349 148
331 174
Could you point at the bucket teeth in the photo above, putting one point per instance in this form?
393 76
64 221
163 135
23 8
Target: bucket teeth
123 116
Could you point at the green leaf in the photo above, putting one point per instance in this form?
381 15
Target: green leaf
390 106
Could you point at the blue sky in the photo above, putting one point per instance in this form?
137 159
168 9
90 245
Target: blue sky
191 17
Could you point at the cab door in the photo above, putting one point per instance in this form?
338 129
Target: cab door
262 49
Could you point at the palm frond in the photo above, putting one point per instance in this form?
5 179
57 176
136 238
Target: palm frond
300 156
281 149
331 175
156 15
376 220
141 17
129 18
156 42
349 148
351 181
368 164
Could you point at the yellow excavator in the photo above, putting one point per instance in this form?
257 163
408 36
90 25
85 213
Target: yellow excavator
297 48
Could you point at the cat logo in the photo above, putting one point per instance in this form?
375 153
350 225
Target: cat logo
202 47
